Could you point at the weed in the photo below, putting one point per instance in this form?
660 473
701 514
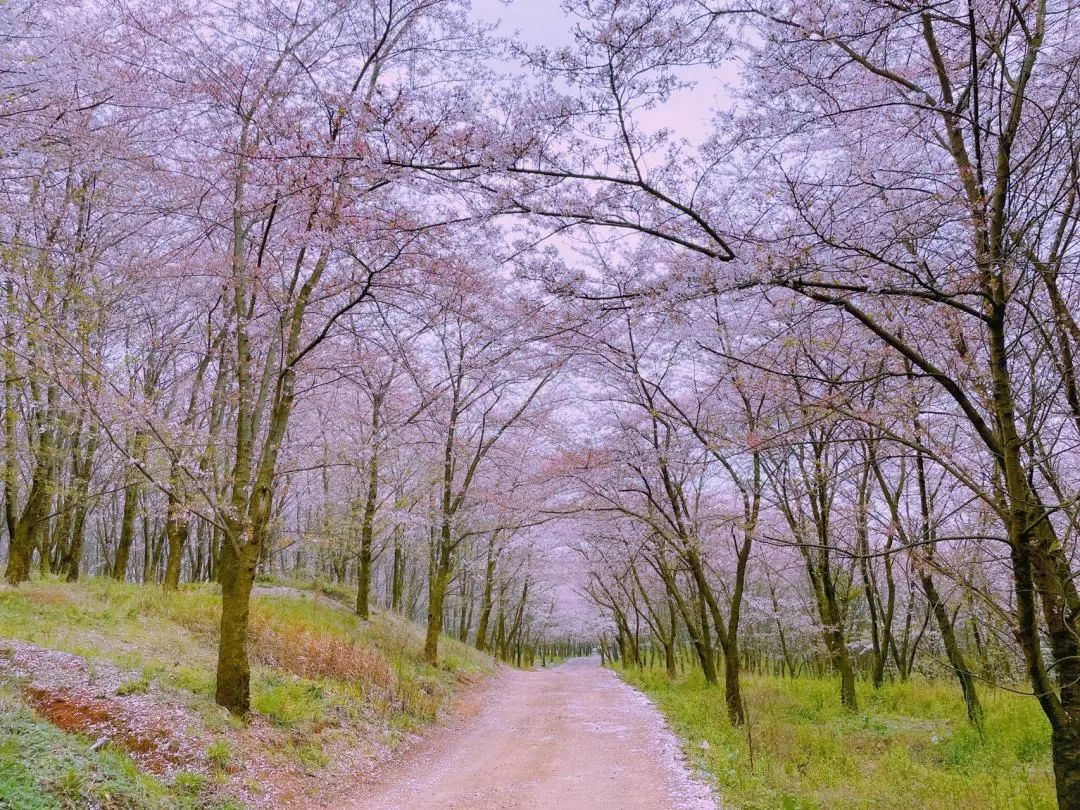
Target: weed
136 686
42 767
315 664
189 784
193 679
281 639
219 752
71 786
310 754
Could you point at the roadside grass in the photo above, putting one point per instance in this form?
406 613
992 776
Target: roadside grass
909 745
320 675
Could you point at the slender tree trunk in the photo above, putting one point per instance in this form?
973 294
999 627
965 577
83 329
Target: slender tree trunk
465 616
836 644
72 559
842 661
879 643
733 685
176 534
953 651
363 572
485 599
131 502
397 576
437 598
500 625
669 641
148 569
515 628
697 627
177 528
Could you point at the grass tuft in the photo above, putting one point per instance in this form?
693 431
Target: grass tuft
219 752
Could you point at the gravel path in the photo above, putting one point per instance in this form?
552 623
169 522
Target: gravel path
570 737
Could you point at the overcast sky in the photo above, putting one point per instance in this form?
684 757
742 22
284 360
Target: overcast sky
540 22
543 22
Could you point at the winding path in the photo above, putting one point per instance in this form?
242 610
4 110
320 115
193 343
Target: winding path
559 739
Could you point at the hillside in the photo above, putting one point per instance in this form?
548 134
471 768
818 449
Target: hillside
106 697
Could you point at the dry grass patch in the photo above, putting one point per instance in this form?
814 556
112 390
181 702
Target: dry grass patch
309 653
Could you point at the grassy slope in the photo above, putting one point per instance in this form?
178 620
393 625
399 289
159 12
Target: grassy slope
908 746
325 684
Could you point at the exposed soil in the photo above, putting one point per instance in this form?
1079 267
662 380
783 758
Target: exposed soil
569 738
81 698
151 744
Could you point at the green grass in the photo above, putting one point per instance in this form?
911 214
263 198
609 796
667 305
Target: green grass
219 752
137 686
289 702
42 767
319 673
908 746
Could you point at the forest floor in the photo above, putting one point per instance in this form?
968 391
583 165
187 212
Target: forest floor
569 738
908 746
106 698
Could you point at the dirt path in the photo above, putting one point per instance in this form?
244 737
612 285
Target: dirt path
559 739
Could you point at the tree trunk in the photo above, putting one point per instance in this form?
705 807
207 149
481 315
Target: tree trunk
732 685
436 600
952 651
20 553
515 628
1065 744
176 534
23 540
24 532
233 669
72 559
363 572
669 641
833 631
669 660
465 616
397 576
485 599
131 502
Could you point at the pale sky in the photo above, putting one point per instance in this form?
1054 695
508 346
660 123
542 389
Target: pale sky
537 21
543 22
